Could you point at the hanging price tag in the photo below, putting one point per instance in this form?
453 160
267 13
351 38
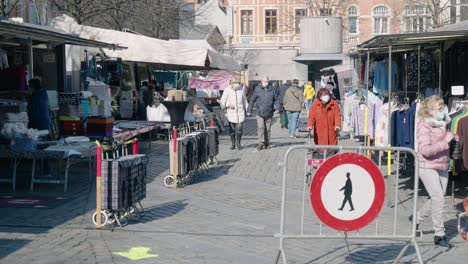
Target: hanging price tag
458 90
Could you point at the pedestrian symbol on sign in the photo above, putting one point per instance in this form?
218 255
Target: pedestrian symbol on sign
348 191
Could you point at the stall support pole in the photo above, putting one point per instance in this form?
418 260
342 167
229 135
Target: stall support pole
389 153
98 185
440 67
174 158
419 68
367 69
31 59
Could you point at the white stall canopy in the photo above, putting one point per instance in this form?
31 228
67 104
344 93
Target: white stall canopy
170 54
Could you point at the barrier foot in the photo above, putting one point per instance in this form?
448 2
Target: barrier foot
405 248
281 254
418 251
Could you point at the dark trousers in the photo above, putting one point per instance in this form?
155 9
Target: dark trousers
235 129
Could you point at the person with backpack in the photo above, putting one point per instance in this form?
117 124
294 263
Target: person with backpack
292 102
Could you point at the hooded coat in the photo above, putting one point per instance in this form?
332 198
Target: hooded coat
293 99
324 120
433 149
235 103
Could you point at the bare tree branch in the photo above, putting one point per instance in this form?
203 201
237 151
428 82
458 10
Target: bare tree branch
7 6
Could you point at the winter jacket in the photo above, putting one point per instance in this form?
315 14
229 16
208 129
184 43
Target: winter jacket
38 110
293 99
433 149
309 92
235 103
324 120
263 99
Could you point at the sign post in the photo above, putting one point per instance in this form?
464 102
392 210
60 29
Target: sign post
347 192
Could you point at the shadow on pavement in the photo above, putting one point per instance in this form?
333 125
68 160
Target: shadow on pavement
8 246
162 211
369 254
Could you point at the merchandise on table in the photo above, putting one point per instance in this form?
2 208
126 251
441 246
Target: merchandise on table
99 127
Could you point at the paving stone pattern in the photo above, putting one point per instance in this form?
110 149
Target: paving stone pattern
228 215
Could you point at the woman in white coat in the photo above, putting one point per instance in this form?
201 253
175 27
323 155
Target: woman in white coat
235 104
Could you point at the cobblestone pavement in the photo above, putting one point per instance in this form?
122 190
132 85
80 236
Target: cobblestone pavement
228 215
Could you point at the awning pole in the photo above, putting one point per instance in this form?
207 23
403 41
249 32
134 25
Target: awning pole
31 59
440 66
389 153
367 69
419 68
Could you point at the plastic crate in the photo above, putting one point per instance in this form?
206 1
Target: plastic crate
23 144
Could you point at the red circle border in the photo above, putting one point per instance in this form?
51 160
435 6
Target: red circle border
322 172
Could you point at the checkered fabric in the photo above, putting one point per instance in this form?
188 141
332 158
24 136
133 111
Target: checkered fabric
123 181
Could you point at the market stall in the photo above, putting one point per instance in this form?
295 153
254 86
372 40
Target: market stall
31 52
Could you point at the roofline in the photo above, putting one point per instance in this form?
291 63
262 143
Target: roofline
413 38
43 34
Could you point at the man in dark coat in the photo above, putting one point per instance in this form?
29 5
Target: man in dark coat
263 100
348 191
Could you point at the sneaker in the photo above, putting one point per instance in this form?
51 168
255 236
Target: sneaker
268 146
292 136
260 147
442 241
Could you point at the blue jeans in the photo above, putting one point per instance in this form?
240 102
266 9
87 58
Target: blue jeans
293 117
309 103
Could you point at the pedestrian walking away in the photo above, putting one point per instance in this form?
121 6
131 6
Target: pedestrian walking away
348 191
263 100
235 104
309 95
433 154
325 119
293 101
280 105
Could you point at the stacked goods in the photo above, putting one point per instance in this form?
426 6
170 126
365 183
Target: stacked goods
13 112
99 126
70 113
102 93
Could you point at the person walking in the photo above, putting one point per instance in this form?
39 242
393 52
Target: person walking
433 154
144 100
235 103
263 100
309 94
325 119
280 105
293 101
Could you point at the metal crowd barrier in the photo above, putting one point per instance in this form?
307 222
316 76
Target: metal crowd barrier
309 226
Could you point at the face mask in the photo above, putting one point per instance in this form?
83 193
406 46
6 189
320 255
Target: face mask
236 86
325 98
264 84
440 116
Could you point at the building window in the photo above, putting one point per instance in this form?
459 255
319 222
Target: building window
299 13
417 18
246 22
271 20
326 11
380 14
352 19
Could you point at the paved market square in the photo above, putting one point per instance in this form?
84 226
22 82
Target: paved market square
228 215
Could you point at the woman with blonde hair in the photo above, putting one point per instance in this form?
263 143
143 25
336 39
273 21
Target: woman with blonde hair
433 154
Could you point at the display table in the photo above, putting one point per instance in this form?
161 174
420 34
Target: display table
131 129
70 153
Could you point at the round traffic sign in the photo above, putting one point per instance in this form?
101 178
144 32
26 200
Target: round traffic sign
347 192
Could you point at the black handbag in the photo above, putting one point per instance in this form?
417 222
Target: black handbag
456 150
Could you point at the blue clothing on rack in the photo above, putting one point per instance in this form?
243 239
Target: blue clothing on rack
402 127
381 78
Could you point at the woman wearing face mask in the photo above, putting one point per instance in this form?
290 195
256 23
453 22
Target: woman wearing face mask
433 154
235 103
325 119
